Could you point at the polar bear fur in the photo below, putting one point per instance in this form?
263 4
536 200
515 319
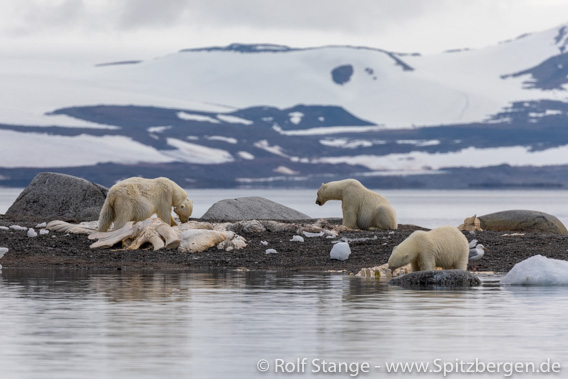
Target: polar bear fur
136 199
362 208
444 247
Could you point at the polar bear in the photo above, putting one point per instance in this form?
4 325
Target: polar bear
444 247
362 208
136 199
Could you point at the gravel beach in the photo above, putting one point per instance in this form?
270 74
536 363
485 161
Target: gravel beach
368 248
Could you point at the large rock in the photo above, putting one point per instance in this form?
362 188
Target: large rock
523 221
251 208
437 278
52 196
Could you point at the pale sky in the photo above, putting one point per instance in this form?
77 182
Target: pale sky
112 30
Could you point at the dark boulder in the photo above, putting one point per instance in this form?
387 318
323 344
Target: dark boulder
523 221
251 208
437 279
52 196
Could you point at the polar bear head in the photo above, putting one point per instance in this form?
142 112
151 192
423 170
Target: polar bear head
321 197
407 251
184 210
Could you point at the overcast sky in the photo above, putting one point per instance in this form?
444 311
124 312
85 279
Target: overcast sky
142 29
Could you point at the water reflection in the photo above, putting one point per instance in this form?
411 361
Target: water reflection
176 324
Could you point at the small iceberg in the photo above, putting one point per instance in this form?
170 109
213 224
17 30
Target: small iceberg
32 233
538 271
271 251
3 250
340 251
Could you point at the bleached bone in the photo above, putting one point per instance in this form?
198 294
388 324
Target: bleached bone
160 235
192 236
87 227
198 240
383 272
134 235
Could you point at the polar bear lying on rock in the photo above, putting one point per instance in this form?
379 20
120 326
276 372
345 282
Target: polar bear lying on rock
444 247
136 199
362 208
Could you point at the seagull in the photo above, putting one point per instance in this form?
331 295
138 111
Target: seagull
476 253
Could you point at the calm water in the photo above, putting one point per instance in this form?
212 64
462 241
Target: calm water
76 324
61 324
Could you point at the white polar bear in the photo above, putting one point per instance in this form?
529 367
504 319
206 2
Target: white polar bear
444 247
362 208
136 199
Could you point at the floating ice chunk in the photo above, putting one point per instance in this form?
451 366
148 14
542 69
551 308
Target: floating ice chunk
264 243
271 251
4 228
18 227
32 232
538 271
340 251
3 250
43 231
42 225
297 239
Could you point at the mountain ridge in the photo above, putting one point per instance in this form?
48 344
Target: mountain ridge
238 116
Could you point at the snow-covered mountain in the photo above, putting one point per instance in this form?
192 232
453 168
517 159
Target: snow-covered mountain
274 115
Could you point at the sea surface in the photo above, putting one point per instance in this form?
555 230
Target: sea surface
263 324
78 324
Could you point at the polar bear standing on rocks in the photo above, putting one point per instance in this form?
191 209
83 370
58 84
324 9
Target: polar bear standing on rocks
136 199
444 247
362 208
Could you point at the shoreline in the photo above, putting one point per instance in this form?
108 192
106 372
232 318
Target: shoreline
368 249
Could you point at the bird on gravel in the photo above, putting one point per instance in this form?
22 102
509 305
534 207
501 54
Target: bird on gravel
476 251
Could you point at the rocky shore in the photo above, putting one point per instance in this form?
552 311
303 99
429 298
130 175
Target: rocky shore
513 236
368 248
